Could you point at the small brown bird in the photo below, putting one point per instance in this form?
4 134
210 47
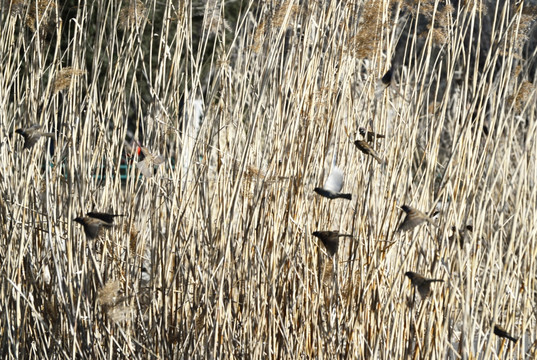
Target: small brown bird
501 332
370 136
32 135
94 221
364 147
413 218
460 235
422 283
330 240
333 185
149 162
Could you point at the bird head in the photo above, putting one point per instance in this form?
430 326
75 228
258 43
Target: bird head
406 208
79 220
410 275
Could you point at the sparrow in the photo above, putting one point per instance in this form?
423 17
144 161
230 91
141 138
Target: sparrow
330 240
370 136
149 162
413 218
333 186
460 235
94 221
364 147
422 283
32 134
501 332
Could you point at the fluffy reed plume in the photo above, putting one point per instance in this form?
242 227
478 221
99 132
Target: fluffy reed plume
366 41
112 303
108 295
132 15
522 96
64 77
41 14
212 18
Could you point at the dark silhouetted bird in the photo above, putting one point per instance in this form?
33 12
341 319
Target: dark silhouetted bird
364 147
32 135
149 162
387 78
370 136
422 283
501 332
94 221
330 240
333 186
413 218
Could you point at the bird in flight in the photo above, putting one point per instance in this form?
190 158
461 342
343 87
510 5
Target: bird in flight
333 185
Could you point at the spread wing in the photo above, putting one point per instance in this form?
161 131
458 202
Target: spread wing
334 182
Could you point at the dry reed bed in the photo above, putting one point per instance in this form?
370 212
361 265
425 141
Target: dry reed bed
215 257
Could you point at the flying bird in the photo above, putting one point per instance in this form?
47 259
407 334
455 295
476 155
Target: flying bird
148 162
333 186
387 78
413 218
422 283
32 135
364 147
330 240
94 221
501 332
370 136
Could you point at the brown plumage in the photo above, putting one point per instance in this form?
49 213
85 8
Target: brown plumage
149 162
422 283
370 136
501 332
330 240
93 222
32 135
366 148
413 218
460 235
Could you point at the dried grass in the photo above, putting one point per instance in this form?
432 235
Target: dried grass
214 257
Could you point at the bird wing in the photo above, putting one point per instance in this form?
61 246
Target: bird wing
91 228
157 160
107 218
144 168
334 182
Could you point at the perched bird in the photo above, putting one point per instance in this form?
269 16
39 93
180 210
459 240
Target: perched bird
422 283
148 162
32 135
94 221
413 218
460 235
370 136
501 332
333 186
330 240
364 147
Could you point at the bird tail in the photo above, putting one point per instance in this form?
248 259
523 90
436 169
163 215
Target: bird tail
513 339
345 196
378 159
50 135
437 280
